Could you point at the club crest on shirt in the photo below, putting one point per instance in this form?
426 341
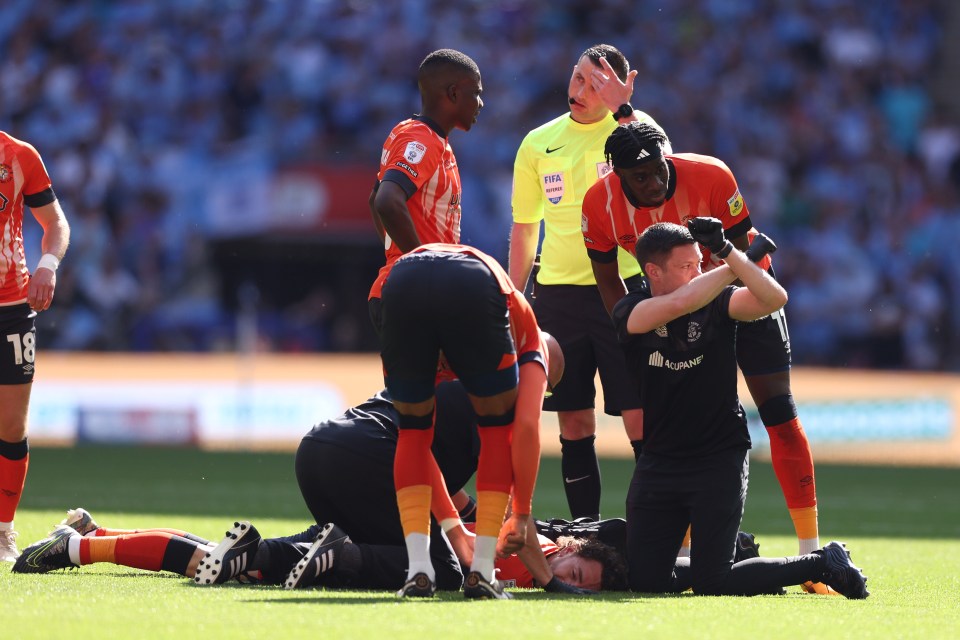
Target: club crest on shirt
553 186
661 331
5 173
603 169
694 331
414 152
735 203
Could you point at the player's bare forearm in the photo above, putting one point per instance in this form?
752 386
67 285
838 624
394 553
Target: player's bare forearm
525 447
390 204
609 282
56 230
649 314
377 222
761 295
523 249
531 555
513 535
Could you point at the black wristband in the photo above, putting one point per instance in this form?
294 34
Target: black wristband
725 250
623 111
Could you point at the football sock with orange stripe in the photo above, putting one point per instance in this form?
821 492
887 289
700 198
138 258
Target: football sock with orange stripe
793 465
494 479
14 460
581 476
153 551
412 479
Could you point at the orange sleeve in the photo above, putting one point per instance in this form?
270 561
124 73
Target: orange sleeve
594 221
525 445
415 153
36 178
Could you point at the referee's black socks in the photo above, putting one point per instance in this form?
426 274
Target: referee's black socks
581 476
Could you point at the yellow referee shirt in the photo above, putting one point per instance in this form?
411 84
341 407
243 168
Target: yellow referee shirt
556 163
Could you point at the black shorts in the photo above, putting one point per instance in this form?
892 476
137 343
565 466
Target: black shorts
576 317
18 344
436 301
763 346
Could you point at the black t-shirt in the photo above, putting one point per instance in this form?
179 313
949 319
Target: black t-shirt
688 379
371 429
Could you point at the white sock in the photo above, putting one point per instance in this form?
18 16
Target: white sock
73 549
484 550
6 526
418 555
808 545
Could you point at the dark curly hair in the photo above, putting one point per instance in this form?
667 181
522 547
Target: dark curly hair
613 576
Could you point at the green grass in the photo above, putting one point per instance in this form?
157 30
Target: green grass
902 524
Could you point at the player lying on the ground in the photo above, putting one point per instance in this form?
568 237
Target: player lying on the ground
320 556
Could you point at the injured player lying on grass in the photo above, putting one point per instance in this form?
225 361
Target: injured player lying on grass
319 556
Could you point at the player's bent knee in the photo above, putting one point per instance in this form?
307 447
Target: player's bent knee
778 410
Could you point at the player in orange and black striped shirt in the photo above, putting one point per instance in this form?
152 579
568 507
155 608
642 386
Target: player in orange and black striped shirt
23 182
648 186
417 196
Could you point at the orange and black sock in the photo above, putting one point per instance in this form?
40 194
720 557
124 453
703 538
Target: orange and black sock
793 465
153 551
14 460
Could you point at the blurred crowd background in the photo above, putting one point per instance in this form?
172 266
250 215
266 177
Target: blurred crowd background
161 122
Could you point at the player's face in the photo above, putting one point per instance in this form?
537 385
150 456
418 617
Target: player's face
469 102
682 266
576 570
647 182
585 105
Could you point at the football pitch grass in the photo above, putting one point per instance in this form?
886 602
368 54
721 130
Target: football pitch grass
901 524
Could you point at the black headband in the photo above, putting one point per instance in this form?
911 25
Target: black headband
628 160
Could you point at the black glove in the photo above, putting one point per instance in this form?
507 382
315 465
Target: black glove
760 247
709 233
559 586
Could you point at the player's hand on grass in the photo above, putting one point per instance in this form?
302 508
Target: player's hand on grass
462 542
559 586
513 534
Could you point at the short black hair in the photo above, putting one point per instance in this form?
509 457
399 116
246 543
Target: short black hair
613 55
658 240
447 58
613 576
625 145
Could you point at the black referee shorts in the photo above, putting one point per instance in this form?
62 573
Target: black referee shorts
576 317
